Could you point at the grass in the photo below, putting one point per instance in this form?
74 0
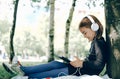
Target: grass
5 75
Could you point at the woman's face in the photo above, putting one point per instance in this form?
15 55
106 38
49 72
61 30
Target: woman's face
88 33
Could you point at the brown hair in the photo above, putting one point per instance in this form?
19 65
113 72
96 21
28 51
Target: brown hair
87 23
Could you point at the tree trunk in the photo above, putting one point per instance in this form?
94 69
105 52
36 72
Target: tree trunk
113 36
68 23
51 31
12 53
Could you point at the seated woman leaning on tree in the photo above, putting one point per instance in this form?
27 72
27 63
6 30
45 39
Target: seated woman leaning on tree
92 29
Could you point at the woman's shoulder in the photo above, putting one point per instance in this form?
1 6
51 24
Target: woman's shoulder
100 41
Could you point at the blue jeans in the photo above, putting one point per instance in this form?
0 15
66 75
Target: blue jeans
51 69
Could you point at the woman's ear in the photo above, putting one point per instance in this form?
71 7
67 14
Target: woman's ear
94 25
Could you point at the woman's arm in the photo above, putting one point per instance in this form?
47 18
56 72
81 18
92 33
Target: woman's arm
99 62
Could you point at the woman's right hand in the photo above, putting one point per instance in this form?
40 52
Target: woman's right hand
77 62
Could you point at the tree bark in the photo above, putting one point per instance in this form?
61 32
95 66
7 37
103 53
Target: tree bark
68 23
12 53
113 36
51 31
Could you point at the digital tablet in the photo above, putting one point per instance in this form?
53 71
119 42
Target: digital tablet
63 58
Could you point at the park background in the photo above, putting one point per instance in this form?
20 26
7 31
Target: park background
31 38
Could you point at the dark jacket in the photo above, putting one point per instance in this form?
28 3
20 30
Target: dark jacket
96 60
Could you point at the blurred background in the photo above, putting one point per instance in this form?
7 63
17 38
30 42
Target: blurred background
31 36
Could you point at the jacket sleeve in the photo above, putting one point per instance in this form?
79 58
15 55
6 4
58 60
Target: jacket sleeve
98 61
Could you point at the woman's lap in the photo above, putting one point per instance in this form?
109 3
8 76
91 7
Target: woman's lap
52 73
43 67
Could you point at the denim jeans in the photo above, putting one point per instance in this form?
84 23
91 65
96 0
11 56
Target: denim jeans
51 69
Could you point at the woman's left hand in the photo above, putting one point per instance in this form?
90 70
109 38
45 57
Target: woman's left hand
77 62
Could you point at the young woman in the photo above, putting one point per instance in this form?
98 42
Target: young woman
92 29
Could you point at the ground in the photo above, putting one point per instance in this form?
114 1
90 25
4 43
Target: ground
5 75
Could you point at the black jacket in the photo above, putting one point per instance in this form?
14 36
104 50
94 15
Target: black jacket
96 60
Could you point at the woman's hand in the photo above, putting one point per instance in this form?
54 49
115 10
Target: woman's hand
77 62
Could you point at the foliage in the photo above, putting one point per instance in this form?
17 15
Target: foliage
6 24
29 44
93 3
4 33
36 0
